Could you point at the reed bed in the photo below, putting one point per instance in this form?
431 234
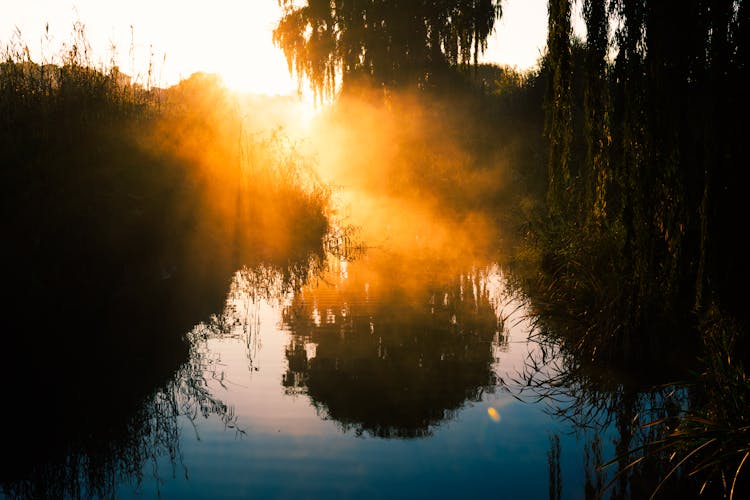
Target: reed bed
126 211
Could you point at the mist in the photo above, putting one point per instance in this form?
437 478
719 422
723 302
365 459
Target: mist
413 172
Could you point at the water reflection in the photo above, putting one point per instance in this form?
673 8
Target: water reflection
304 358
595 401
88 450
392 348
91 417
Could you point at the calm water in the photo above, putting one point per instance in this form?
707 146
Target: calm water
385 376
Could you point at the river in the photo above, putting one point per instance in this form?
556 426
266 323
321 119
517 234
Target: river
373 373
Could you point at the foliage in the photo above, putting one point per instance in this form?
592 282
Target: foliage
386 43
646 124
125 212
659 121
135 185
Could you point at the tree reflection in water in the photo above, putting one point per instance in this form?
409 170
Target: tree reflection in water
600 404
112 426
396 347
113 440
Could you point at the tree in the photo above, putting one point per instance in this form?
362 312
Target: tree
388 43
559 105
664 135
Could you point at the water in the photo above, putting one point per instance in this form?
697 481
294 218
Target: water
376 379
384 376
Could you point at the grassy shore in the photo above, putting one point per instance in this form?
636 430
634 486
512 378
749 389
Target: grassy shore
126 211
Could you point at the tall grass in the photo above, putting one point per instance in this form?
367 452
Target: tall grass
673 381
126 209
110 185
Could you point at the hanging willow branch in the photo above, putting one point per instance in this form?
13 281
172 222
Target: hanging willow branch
559 106
388 43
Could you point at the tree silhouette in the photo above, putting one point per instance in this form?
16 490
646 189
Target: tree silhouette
396 359
385 42
661 115
645 186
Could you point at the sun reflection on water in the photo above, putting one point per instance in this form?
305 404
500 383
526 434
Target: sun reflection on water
493 414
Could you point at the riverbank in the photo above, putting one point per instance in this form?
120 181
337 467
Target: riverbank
126 212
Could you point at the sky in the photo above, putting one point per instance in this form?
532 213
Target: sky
228 37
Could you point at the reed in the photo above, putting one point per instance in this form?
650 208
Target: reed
678 400
110 184
126 210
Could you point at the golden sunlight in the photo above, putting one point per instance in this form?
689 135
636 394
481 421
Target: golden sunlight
174 39
236 43
493 414
232 38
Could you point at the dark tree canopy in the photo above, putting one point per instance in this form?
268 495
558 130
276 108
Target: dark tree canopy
387 42
647 131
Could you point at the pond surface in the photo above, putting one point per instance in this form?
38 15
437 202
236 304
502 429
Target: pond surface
381 376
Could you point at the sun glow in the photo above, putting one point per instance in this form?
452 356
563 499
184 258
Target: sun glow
168 40
162 42
234 40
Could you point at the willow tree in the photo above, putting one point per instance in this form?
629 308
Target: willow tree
596 109
388 43
665 106
559 105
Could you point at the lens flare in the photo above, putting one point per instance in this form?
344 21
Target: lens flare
493 414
